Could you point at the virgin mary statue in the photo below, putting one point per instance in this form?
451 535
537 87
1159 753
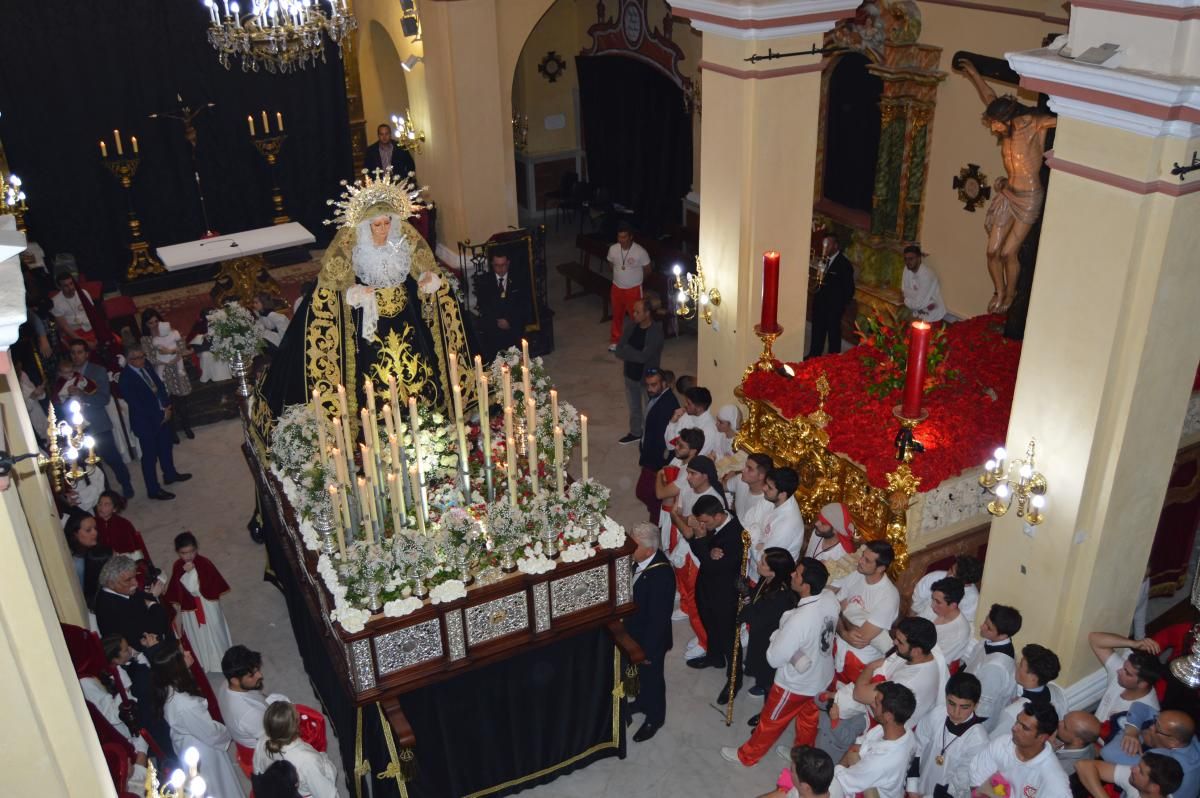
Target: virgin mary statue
381 307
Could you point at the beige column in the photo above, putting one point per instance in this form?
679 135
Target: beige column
757 165
53 750
1111 344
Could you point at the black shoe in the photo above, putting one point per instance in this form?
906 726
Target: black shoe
191 435
758 690
697 663
163 496
723 696
753 722
177 478
629 438
647 731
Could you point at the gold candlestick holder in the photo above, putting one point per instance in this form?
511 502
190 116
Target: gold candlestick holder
766 361
269 146
905 442
141 262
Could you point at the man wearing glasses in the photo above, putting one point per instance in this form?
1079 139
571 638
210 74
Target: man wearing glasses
1145 729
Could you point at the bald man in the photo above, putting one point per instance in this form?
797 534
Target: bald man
1074 739
1171 732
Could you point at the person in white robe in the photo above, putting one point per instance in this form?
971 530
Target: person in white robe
784 525
196 587
880 758
922 292
695 413
750 503
281 740
948 738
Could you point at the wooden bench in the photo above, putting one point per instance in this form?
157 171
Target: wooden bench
590 282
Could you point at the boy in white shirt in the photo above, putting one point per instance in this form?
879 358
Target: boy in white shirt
953 630
948 738
994 661
968 570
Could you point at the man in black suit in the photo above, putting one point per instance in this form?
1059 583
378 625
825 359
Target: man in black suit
150 417
135 614
716 540
503 305
650 626
661 405
386 152
833 288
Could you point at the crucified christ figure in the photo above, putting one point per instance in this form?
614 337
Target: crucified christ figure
1017 202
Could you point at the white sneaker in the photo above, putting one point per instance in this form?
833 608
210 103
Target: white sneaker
694 649
783 752
679 615
730 755
612 347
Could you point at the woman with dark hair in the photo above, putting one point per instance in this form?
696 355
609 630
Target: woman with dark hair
166 350
280 780
770 600
116 531
87 554
186 712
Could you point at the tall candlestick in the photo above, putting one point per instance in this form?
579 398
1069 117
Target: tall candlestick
558 458
485 420
554 406
914 381
339 505
531 453
510 452
368 461
373 416
769 316
343 411
524 353
322 444
394 447
530 414
364 514
415 478
394 397
250 122
396 497
266 126
103 150
453 362
583 453
415 423
478 368
525 381
279 120
460 427
135 144
117 138
389 426
506 379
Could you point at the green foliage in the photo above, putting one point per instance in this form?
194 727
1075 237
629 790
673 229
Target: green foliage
887 361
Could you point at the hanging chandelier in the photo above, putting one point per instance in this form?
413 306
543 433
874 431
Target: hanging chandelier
279 36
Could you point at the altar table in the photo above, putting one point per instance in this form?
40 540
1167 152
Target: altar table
176 257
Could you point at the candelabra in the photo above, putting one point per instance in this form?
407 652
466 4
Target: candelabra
180 784
123 168
520 128
268 145
12 199
1029 487
280 36
694 299
66 444
406 135
1187 668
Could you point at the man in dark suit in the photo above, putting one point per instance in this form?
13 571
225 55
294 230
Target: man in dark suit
650 626
503 305
833 288
661 405
94 407
135 614
150 416
716 540
386 152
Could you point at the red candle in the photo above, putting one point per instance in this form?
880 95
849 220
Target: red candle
769 321
914 382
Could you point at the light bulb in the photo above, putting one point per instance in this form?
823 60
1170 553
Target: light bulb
704 299
1000 454
1002 490
1038 501
233 8
990 465
72 453
677 269
197 787
1026 471
77 419
681 298
89 442
177 779
73 406
191 756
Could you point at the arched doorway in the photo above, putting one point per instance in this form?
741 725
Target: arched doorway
852 133
385 88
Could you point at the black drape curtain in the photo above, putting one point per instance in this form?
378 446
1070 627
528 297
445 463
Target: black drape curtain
638 137
75 71
852 133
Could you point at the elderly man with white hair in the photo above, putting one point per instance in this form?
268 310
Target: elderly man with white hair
650 626
123 608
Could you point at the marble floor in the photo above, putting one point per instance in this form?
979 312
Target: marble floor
683 759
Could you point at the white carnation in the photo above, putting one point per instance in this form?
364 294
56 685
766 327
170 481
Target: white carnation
577 552
398 608
613 536
448 591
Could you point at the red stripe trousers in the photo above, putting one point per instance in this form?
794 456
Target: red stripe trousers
781 707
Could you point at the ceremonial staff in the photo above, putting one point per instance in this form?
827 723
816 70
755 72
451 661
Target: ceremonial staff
737 630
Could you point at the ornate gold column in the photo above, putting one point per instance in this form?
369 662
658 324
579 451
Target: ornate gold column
354 103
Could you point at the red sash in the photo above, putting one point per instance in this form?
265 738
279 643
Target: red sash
212 586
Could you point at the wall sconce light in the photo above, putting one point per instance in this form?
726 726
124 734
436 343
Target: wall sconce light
1029 487
410 23
65 462
693 298
407 136
12 199
411 62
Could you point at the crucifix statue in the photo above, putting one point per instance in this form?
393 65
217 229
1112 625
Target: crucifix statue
185 114
1017 200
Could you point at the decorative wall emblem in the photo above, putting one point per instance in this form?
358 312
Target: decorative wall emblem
972 187
552 66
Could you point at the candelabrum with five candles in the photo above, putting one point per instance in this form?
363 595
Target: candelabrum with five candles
141 262
1029 487
12 199
67 441
268 145
694 298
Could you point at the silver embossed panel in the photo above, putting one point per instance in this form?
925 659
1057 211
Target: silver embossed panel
454 635
398 650
360 660
541 606
496 618
624 577
579 591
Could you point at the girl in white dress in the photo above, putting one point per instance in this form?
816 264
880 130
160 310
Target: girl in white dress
196 587
186 712
281 740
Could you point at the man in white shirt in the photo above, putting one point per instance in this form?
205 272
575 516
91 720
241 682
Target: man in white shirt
1024 757
881 757
749 498
784 526
630 266
994 662
953 631
67 308
922 293
1036 669
1131 674
968 570
801 651
870 604
812 774
1154 776
948 738
242 701
695 413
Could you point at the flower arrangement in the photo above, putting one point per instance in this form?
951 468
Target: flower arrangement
888 362
293 452
588 496
533 560
996 787
234 333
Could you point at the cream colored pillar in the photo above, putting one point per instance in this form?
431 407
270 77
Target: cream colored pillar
757 165
50 747
1111 343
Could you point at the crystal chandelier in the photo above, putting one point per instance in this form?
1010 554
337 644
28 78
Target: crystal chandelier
278 35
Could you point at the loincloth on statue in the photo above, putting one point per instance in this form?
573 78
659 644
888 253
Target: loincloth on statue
1021 206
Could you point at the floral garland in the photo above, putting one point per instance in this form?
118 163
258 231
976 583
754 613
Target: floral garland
234 333
968 417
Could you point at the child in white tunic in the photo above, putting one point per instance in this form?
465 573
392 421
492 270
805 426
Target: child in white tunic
195 588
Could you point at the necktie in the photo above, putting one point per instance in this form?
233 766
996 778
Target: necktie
503 288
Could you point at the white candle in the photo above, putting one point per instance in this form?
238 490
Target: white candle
532 457
339 507
279 120
396 496
510 451
478 368
525 380
343 412
583 453
415 480
530 414
485 419
460 427
506 378
525 354
374 424
554 406
250 122
558 459
266 125
135 145
414 421
103 150
117 138
453 360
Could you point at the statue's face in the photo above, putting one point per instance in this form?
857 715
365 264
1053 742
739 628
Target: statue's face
379 230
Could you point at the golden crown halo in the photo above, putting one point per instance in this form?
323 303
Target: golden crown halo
380 188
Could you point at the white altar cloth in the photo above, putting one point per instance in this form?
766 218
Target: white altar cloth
235 245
